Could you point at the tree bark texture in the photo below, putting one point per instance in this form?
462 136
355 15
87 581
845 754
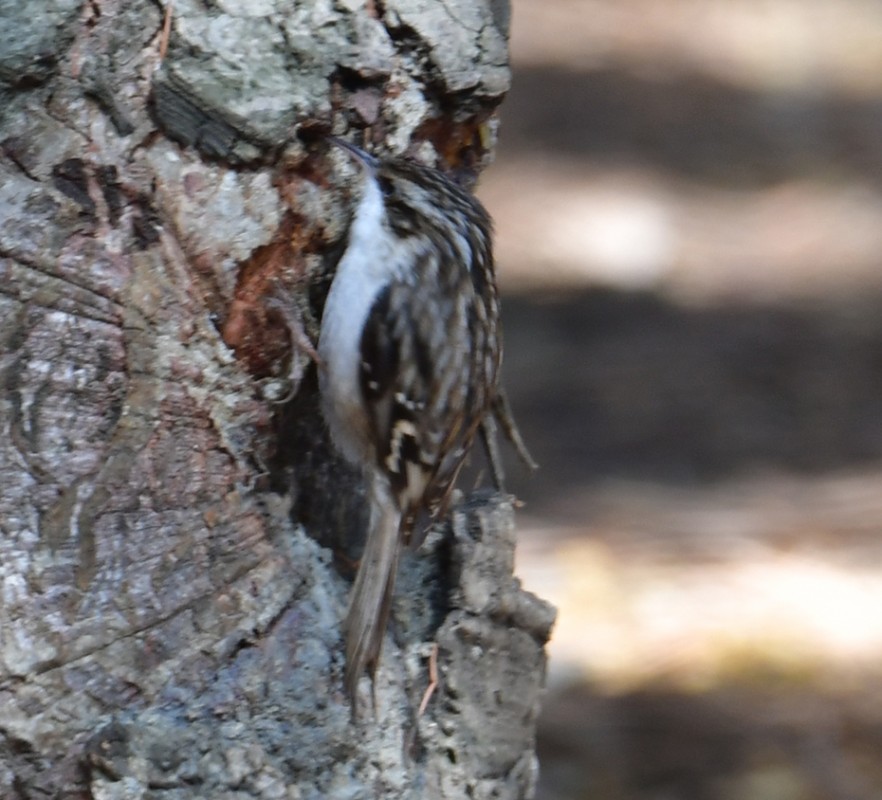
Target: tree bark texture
169 504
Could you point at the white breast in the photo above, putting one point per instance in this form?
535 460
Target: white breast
365 268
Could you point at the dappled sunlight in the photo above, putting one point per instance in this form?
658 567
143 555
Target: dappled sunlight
584 224
626 621
778 45
688 206
721 641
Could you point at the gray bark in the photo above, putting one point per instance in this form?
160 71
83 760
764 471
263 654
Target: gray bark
169 609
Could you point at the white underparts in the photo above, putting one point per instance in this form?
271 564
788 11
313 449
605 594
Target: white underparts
367 265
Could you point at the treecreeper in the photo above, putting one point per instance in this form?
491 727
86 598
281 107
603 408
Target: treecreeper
409 356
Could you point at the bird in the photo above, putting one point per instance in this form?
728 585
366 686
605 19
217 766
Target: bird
409 354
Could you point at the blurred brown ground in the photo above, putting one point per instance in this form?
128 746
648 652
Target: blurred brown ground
688 198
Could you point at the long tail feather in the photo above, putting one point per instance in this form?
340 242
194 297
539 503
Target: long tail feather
371 599
502 412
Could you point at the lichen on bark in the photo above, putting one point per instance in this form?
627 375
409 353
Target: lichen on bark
168 627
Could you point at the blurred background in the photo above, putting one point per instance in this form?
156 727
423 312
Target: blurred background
688 198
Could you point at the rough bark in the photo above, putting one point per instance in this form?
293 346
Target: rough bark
169 606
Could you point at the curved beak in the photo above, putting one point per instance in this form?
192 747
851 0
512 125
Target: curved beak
366 160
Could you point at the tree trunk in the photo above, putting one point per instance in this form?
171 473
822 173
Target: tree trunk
169 605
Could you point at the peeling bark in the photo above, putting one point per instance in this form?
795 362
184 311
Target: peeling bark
169 609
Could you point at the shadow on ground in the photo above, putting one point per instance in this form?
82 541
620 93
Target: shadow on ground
609 384
765 743
692 124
